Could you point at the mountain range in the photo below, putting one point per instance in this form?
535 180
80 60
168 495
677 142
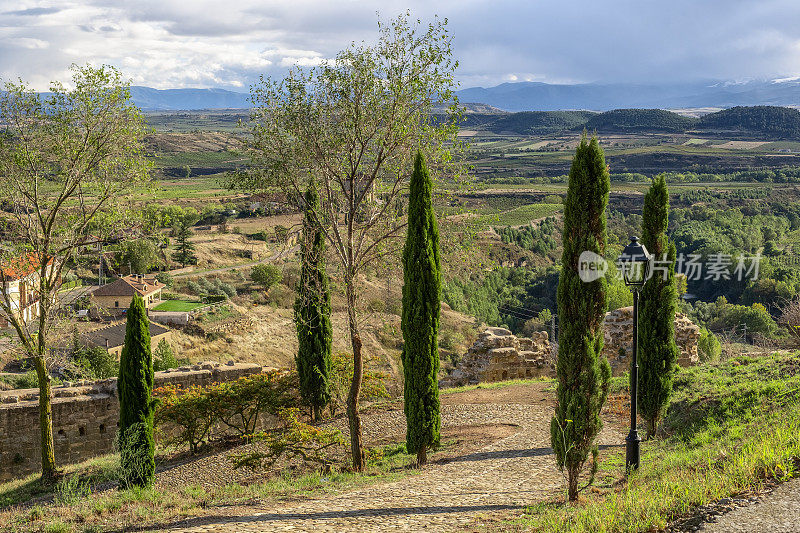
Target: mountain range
536 96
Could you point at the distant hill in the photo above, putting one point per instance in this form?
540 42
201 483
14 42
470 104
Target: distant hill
535 96
775 122
187 99
538 122
637 120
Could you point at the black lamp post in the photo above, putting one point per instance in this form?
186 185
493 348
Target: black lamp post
635 262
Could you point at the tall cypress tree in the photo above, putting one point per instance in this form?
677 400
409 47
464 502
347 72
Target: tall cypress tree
420 320
658 352
312 312
583 374
136 406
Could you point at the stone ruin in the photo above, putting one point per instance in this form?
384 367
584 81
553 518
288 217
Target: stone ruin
85 416
618 333
498 354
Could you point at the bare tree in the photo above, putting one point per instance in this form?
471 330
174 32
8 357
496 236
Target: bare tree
64 159
352 126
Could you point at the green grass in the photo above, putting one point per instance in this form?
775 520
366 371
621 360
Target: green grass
495 385
178 305
732 426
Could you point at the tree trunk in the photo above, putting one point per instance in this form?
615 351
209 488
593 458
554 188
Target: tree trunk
650 424
49 471
573 484
353 416
316 413
422 456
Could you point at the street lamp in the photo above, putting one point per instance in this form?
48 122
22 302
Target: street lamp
635 263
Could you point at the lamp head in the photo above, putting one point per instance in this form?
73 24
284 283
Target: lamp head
635 262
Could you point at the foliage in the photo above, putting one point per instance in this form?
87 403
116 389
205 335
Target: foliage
141 255
96 362
769 120
136 405
420 320
165 278
65 157
373 385
281 234
266 275
164 357
312 313
190 414
538 239
632 120
295 440
184 250
583 376
658 353
708 347
721 316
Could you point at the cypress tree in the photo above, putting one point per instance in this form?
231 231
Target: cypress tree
312 312
420 320
583 375
136 406
658 352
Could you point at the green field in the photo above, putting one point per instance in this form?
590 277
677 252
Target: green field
178 306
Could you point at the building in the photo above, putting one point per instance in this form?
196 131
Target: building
115 297
112 337
19 281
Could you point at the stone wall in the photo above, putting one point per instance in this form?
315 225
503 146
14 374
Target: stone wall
85 416
498 355
618 333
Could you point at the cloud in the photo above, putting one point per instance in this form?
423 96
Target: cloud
172 43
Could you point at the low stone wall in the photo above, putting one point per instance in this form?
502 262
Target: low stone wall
85 416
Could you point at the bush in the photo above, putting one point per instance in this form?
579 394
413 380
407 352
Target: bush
164 357
708 347
236 405
373 385
96 363
266 275
165 278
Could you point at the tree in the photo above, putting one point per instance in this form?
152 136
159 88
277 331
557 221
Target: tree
141 255
312 313
583 375
136 405
658 353
422 290
65 158
353 125
184 251
266 275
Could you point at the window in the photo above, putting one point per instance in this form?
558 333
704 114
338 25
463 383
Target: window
116 304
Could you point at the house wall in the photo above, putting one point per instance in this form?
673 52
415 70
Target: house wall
85 417
118 304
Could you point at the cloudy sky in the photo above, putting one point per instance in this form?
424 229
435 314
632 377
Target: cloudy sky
199 43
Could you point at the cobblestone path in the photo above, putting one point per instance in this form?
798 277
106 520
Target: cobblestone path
777 512
505 475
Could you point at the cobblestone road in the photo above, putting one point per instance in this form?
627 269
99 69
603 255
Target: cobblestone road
506 475
777 512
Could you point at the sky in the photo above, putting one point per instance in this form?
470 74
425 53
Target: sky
228 44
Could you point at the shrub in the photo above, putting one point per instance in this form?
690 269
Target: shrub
708 346
190 411
164 357
281 234
96 363
373 385
71 489
295 440
266 275
165 278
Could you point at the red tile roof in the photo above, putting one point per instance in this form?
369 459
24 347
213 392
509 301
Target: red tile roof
19 267
128 286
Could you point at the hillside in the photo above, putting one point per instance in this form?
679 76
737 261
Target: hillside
538 122
637 120
773 121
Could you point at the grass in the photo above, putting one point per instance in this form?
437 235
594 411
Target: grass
732 426
178 305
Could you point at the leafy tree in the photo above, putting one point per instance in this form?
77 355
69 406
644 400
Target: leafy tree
583 374
65 158
708 346
312 313
658 353
184 250
353 125
164 357
420 322
266 275
136 405
140 254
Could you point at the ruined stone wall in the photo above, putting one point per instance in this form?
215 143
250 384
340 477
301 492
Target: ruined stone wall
618 333
85 416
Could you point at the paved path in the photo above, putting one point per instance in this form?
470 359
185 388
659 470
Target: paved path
777 512
506 475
